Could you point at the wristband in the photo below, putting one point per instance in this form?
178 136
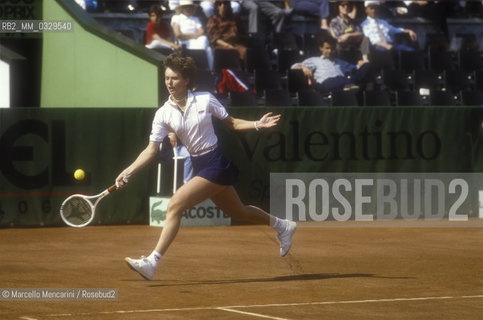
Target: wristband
256 127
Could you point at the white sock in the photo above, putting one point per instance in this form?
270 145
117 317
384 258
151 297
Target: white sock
154 257
278 224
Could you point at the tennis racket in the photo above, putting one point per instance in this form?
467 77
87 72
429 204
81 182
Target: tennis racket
78 210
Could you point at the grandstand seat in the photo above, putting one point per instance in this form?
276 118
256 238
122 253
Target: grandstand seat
255 40
444 98
409 98
467 42
479 79
376 98
296 81
343 99
311 98
257 58
441 60
199 56
205 81
286 58
437 41
303 23
457 80
242 99
472 98
470 60
267 80
395 79
277 98
427 79
226 59
351 56
287 41
412 60
311 47
382 60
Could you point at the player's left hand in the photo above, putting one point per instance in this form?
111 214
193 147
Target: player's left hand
173 139
268 120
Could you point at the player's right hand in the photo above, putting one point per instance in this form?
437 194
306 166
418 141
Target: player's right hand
122 180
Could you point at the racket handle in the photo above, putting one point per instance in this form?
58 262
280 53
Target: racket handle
112 188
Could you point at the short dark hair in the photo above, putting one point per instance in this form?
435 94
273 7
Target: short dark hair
184 65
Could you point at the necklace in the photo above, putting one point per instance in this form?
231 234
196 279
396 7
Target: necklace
178 100
181 103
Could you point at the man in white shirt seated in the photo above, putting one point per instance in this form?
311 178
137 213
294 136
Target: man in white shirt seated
329 74
380 32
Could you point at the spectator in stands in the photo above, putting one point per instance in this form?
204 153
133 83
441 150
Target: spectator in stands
223 29
276 14
319 8
209 7
348 34
189 31
198 12
329 73
158 34
380 32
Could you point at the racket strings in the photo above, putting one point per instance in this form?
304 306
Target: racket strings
77 210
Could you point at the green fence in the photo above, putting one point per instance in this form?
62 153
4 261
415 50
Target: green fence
41 148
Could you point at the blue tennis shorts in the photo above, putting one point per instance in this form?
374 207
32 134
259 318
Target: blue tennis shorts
215 167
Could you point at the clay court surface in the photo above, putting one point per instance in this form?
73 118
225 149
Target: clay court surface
334 271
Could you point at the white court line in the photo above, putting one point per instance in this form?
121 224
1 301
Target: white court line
353 301
129 311
230 308
251 314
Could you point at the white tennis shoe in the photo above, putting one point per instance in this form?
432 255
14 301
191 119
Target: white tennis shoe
142 266
285 237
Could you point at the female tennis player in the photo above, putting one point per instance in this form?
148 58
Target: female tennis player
188 114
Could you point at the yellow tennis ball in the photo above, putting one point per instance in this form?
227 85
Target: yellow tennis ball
79 174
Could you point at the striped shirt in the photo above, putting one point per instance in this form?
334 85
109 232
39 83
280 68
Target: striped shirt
323 68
